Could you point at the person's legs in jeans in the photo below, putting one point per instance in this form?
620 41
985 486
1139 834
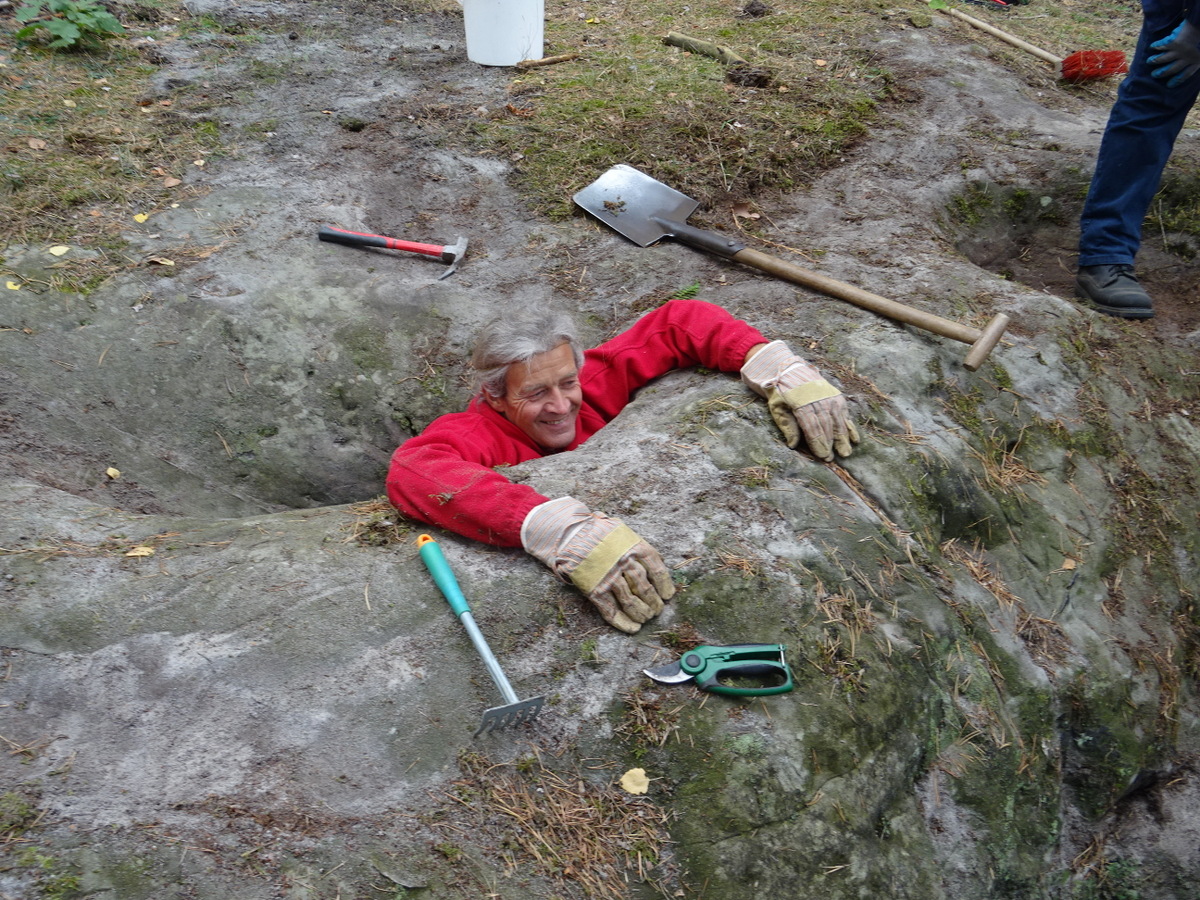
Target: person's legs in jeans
1137 142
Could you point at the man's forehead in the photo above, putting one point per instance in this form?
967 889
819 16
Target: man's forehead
544 369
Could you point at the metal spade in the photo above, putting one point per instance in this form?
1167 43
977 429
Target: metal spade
645 210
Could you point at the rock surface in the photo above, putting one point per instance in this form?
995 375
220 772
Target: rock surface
229 675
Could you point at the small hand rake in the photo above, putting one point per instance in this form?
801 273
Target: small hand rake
515 711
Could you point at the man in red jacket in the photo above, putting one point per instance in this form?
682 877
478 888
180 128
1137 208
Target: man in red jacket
540 393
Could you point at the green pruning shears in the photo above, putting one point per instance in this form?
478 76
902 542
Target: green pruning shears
725 670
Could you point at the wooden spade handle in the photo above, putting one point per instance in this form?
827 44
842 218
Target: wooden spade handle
982 342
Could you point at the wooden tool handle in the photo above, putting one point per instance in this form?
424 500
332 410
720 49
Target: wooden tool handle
882 305
982 341
1006 37
987 340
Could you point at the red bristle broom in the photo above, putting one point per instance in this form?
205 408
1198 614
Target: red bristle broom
1083 65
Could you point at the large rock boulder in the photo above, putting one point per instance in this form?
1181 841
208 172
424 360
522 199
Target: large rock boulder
228 674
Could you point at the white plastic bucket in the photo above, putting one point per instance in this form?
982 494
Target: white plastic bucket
503 32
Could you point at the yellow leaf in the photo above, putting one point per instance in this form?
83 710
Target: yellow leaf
160 261
69 103
141 551
141 217
198 162
1069 564
12 285
59 250
635 781
113 473
593 21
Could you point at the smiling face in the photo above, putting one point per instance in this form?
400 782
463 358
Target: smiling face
543 397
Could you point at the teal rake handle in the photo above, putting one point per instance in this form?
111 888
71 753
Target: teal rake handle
443 577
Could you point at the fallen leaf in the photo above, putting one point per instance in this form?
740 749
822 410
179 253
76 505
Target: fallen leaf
171 182
1070 564
141 217
59 250
113 473
37 144
161 261
95 213
821 62
141 551
12 285
635 781
69 103
743 211
198 162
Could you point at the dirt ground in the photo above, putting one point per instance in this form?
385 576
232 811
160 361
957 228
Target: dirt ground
392 84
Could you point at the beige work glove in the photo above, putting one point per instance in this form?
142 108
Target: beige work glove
801 401
622 575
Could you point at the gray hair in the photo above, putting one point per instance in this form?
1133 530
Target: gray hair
518 337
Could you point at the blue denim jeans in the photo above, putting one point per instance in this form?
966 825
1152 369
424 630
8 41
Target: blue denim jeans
1137 142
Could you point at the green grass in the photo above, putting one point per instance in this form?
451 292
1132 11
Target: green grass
632 98
87 152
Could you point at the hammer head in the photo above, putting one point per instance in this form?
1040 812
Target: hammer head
453 254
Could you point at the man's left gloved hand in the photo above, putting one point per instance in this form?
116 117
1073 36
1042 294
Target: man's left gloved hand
1178 56
801 401
623 576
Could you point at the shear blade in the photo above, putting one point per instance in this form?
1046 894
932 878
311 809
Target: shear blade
669 674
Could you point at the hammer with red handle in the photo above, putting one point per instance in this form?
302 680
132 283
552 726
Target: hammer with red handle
449 253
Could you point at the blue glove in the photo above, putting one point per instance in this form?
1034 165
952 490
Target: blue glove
1179 56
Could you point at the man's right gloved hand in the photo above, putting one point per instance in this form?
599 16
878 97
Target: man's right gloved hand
622 575
800 401
1178 55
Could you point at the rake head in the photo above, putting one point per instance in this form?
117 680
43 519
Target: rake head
512 714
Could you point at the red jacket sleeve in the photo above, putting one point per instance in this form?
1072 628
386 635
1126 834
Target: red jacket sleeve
679 334
446 476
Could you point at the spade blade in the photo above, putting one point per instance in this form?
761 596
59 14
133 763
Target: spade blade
635 205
